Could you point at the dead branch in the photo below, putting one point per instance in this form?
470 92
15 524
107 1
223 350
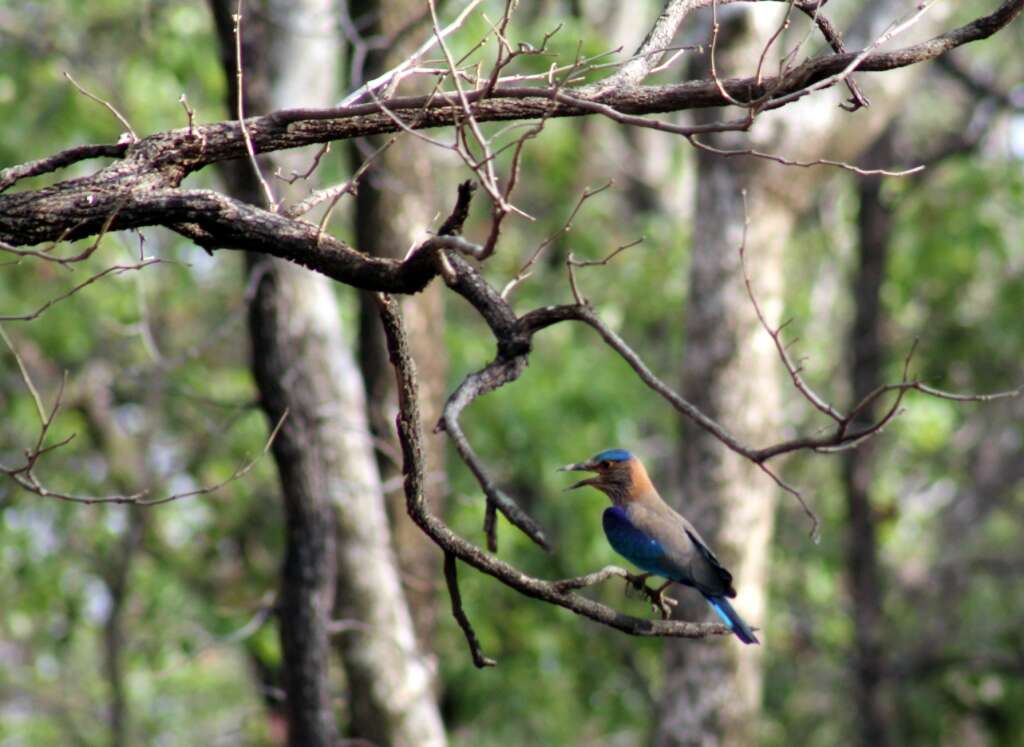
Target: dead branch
63 159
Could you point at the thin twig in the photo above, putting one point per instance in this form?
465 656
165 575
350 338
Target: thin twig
753 153
239 82
571 263
451 577
336 192
488 178
651 51
112 270
776 332
24 477
322 151
40 410
110 107
525 270
382 81
190 113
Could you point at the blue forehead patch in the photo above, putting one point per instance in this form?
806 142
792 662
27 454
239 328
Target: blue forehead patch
613 455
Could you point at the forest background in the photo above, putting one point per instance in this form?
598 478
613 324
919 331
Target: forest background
192 620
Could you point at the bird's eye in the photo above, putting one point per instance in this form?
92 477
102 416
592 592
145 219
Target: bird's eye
605 465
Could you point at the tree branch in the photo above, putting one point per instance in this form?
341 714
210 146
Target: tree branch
451 577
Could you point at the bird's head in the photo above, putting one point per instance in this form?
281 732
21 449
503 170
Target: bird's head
619 474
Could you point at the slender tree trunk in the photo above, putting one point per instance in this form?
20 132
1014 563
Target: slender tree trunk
392 213
713 691
286 340
330 479
864 576
114 638
288 349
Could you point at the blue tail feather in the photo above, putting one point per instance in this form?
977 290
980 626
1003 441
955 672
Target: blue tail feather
732 619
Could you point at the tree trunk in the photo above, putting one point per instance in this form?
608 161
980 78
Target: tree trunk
392 213
128 472
713 690
324 453
864 577
288 348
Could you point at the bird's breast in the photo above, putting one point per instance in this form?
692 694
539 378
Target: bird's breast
631 542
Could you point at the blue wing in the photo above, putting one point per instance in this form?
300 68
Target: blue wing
632 543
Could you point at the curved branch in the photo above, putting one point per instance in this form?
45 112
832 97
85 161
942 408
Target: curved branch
216 221
492 376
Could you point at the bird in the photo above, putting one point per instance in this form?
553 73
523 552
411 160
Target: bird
645 530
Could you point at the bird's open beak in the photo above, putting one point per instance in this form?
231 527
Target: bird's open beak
580 467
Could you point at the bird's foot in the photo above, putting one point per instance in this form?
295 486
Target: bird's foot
659 602
637 583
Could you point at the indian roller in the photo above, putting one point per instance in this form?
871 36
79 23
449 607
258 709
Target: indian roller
645 530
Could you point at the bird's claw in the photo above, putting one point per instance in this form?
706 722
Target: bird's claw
637 582
659 602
